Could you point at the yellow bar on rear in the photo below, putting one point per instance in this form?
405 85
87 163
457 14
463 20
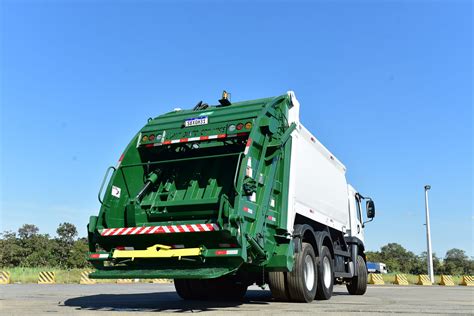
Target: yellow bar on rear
157 251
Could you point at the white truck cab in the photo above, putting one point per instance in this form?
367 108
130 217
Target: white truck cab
356 227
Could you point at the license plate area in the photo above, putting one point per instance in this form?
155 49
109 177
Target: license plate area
196 121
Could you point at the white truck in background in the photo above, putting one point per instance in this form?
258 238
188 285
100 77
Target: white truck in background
377 267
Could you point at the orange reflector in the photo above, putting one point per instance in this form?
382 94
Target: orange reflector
145 138
248 125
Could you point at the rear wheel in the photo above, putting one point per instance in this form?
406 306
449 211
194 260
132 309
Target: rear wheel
326 275
227 288
358 284
183 289
224 288
277 282
302 281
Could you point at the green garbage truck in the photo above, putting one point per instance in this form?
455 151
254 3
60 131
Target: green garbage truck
220 197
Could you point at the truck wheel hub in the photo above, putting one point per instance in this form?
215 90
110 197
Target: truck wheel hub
326 272
309 272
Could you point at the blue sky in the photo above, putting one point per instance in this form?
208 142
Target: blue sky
385 85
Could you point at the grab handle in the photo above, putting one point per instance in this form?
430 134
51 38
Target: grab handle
103 182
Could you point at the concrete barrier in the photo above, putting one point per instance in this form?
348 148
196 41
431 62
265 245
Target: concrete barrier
5 277
161 281
423 279
401 279
446 280
85 278
46 277
124 281
376 279
467 280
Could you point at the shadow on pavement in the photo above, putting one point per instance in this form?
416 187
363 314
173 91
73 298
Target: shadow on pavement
161 301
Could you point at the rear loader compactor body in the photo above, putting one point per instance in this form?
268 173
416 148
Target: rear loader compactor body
221 197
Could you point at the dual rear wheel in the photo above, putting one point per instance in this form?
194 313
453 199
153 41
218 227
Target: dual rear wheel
312 277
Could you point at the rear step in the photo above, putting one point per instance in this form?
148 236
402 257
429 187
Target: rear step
190 273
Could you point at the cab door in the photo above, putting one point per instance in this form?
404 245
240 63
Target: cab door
356 214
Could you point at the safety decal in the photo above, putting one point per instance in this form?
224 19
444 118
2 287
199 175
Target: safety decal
116 191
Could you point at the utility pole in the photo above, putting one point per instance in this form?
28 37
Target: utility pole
429 256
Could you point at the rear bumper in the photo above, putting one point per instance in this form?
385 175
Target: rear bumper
182 273
162 251
160 261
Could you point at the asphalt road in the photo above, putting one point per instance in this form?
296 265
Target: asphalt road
143 299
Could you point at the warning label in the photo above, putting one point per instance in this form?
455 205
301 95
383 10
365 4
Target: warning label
116 191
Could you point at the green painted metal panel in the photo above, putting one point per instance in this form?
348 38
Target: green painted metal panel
232 172
184 273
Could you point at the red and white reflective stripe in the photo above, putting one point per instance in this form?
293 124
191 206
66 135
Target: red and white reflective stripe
196 139
124 248
99 255
273 219
248 210
247 146
226 252
149 230
120 160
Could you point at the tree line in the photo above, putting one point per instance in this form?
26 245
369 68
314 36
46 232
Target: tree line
28 248
398 259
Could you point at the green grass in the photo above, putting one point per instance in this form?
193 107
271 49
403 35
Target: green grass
30 275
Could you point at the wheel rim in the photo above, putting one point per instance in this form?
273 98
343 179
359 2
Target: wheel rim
309 272
327 275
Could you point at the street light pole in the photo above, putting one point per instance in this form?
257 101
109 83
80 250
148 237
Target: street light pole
429 256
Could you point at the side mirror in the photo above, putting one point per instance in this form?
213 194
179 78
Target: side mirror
370 206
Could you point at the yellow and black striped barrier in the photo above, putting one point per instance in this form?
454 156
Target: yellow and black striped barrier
124 281
446 280
5 277
376 279
46 277
467 280
85 278
161 281
401 279
424 279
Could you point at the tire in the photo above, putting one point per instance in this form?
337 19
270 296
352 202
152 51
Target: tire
236 291
182 288
358 284
192 289
224 288
325 275
303 280
227 288
278 286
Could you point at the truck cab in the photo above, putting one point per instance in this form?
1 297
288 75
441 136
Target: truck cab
356 217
